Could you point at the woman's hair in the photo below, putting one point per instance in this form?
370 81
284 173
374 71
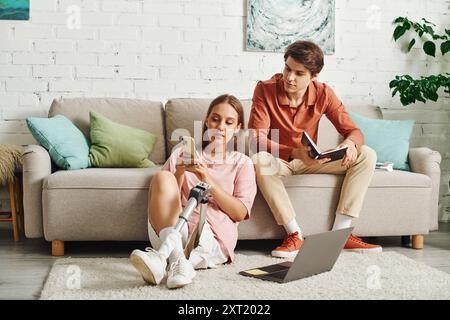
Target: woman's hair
232 101
307 53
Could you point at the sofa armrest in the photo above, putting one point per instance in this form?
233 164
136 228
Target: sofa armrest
426 161
36 167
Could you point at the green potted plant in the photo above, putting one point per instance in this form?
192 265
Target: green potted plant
425 88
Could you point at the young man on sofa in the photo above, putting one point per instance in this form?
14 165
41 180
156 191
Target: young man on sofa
293 102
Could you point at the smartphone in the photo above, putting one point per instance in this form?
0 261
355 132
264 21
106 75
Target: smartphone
190 155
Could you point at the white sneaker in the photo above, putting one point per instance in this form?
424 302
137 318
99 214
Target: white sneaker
180 274
150 263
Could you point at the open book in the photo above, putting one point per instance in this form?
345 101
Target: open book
315 153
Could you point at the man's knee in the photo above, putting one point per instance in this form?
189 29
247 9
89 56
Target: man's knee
262 161
265 163
367 154
262 158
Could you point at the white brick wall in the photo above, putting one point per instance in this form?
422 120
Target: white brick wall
161 49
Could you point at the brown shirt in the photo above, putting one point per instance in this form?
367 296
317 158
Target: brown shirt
271 110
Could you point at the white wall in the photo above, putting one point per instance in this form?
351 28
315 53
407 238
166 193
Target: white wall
192 48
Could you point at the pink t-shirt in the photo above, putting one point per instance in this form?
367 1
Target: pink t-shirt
236 176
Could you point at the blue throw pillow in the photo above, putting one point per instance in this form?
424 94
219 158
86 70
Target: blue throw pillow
389 138
66 144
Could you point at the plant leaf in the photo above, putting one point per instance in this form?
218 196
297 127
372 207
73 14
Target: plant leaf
411 43
404 101
398 32
428 29
393 84
399 20
428 21
429 48
407 25
433 96
445 47
420 98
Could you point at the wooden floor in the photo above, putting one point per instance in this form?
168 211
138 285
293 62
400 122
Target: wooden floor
24 265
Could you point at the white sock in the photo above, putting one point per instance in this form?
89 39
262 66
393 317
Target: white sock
292 226
171 243
342 221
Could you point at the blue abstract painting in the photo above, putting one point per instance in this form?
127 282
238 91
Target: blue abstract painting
273 24
14 9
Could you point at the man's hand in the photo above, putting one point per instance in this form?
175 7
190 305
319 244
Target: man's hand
351 154
302 153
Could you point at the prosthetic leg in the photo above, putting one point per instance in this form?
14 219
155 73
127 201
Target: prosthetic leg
198 195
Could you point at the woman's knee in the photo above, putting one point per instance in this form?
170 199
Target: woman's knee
163 180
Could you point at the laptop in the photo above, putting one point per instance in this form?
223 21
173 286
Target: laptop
318 254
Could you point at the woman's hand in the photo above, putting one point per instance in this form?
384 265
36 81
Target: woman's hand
351 154
201 171
232 206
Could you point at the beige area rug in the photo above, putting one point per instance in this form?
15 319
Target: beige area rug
387 275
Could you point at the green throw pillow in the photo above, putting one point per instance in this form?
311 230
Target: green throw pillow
117 145
65 143
389 138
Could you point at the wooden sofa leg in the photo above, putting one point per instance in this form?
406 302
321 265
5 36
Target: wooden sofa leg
417 241
57 248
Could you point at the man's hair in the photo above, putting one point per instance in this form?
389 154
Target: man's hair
307 53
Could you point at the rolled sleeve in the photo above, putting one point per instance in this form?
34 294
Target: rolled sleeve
260 123
171 163
245 185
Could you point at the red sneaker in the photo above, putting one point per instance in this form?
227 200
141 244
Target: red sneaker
289 248
355 244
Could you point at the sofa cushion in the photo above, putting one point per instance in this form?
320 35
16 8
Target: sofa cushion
65 143
329 138
111 204
102 178
142 114
315 198
381 179
389 138
137 178
114 145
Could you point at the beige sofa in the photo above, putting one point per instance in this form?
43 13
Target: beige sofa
111 204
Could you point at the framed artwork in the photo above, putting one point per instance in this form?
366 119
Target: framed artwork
273 24
14 9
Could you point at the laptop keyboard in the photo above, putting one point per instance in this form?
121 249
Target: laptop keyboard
274 268
279 275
